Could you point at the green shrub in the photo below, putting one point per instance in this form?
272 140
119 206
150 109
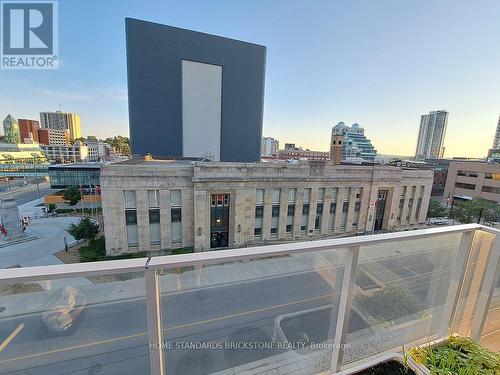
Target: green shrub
86 229
95 251
460 356
182 250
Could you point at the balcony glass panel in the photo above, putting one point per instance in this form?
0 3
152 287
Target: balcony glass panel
84 325
400 292
253 316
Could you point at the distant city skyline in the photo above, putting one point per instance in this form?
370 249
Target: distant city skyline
327 62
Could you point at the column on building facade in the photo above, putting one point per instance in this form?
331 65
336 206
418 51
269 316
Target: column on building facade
340 203
143 220
239 217
350 212
364 209
297 218
187 197
392 205
414 206
201 220
422 217
283 213
327 200
405 205
113 209
165 219
266 220
372 209
248 229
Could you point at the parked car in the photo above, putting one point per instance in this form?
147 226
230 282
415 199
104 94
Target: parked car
63 310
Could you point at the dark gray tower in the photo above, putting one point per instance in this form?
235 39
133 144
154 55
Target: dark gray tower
192 94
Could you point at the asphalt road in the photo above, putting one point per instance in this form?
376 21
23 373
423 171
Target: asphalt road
111 338
32 194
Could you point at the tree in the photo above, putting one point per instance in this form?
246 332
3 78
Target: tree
476 210
436 209
92 138
72 195
120 144
86 229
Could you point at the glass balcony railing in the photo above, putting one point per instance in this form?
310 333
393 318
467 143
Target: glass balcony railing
303 308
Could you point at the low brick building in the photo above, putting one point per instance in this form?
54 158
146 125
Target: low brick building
160 204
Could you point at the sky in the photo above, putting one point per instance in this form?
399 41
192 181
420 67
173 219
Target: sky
380 63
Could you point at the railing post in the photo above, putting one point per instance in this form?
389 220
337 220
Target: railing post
345 303
155 332
486 293
456 282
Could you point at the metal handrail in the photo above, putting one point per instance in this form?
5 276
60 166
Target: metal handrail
212 257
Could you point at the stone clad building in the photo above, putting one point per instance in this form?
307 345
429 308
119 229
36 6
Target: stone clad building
165 204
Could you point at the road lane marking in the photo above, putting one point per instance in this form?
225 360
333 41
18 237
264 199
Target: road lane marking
11 337
74 347
107 341
246 313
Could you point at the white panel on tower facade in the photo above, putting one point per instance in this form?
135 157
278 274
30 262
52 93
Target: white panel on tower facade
201 109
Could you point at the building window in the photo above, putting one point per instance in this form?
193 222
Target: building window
305 216
319 214
345 208
275 214
176 216
259 212
154 216
131 217
461 185
331 215
490 189
289 218
467 174
492 176
291 195
321 194
357 207
401 204
307 195
410 203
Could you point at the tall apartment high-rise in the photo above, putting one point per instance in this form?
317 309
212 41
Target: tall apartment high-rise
61 121
431 135
269 146
354 144
496 140
11 130
193 94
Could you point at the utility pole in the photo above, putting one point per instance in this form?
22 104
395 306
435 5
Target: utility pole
36 178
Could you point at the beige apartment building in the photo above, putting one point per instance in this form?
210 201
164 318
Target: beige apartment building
471 179
159 204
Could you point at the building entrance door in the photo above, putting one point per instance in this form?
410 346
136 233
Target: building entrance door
219 220
380 210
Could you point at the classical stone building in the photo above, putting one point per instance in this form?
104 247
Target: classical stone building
160 204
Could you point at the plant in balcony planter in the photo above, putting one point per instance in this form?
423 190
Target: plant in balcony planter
460 355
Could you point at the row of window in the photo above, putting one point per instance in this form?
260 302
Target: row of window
304 220
414 193
489 176
491 189
466 173
130 203
462 185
